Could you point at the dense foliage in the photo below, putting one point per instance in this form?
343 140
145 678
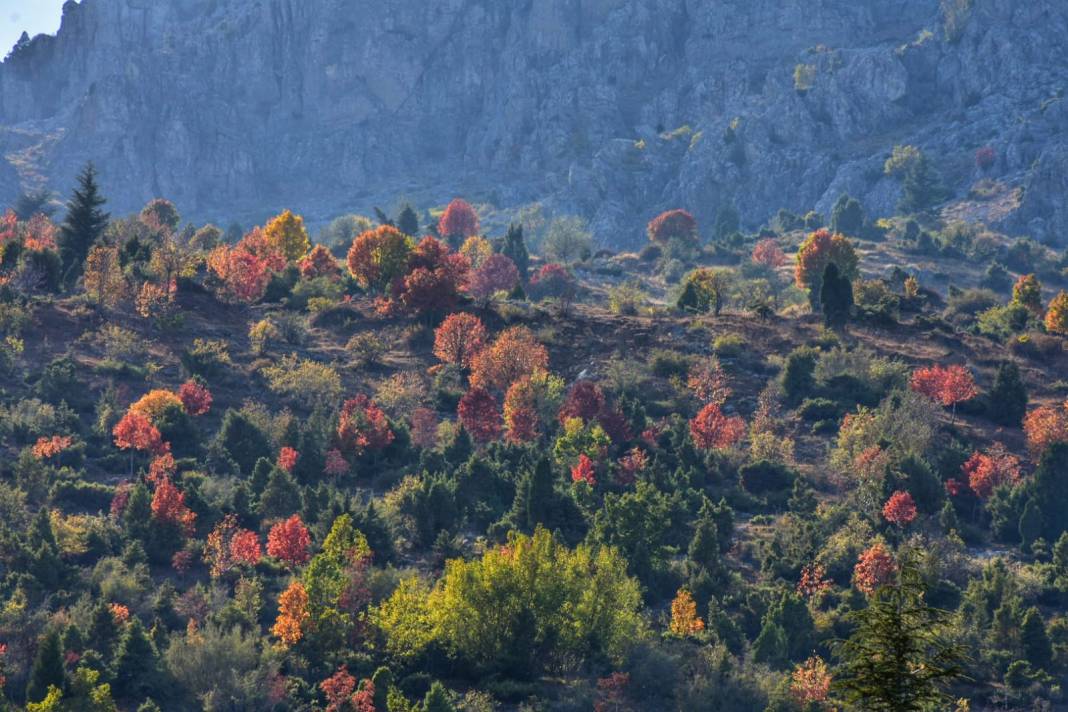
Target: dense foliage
461 471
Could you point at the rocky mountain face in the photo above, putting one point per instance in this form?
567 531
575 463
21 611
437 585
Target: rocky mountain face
613 109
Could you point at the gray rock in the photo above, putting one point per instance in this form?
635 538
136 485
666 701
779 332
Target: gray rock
236 109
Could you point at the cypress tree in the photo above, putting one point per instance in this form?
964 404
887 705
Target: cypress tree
1008 396
515 249
836 296
84 224
408 221
47 668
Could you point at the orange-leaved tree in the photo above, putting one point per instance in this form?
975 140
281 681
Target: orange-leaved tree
515 353
1057 314
378 257
459 339
293 614
712 430
818 250
684 619
875 567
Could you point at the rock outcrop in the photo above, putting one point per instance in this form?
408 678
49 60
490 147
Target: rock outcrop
615 109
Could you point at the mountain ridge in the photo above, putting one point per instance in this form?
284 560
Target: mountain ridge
612 109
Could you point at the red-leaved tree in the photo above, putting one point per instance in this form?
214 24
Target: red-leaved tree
585 400
319 263
363 426
168 506
900 509
712 430
875 567
676 225
459 221
767 253
478 413
195 397
946 385
289 541
987 471
497 274
583 471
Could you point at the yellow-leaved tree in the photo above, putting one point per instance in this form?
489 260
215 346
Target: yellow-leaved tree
286 233
532 604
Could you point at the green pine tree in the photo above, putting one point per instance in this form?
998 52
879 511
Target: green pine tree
1008 396
771 646
83 226
437 699
281 496
48 668
922 187
898 658
136 665
408 221
1036 644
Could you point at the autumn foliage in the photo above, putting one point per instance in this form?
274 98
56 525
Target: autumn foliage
319 263
515 353
497 274
136 432
583 471
810 682
900 509
459 221
46 448
286 234
985 472
673 225
479 415
289 541
293 614
712 430
379 256
875 567
946 385
767 253
1057 314
168 506
362 425
459 339
818 250
1027 293
684 619
1045 426
195 397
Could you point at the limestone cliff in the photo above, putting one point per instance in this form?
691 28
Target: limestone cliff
237 108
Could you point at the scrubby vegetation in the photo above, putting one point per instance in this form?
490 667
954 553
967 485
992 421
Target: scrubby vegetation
410 466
